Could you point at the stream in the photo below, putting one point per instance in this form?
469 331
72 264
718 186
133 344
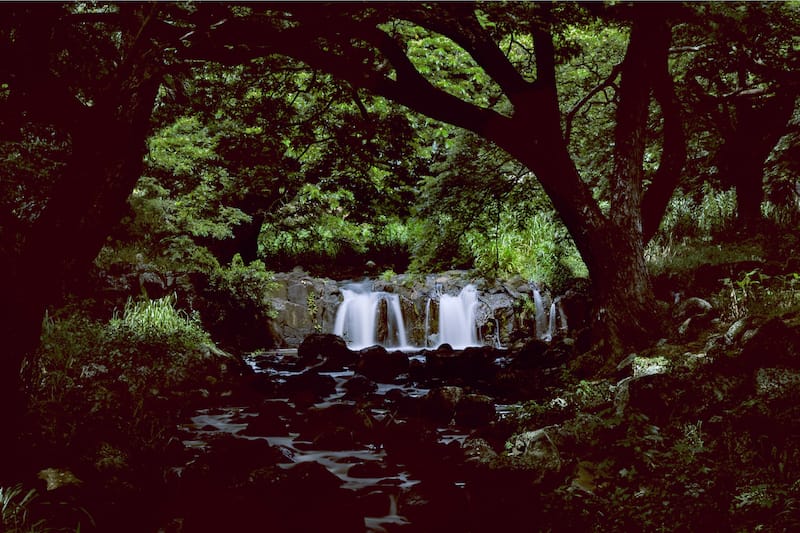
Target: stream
378 478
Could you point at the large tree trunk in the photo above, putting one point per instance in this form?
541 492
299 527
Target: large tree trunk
612 246
756 129
107 145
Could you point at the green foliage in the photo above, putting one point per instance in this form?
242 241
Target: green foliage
541 250
238 306
388 275
157 322
248 286
116 375
756 293
15 516
596 48
688 218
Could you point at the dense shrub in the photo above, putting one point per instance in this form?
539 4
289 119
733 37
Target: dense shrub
112 380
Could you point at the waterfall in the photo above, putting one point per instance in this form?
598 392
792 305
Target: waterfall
541 324
427 322
556 314
366 318
551 325
357 318
457 325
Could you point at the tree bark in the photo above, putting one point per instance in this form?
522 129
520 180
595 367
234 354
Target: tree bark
757 127
107 146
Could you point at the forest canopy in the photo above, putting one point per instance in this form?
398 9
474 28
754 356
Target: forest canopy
550 141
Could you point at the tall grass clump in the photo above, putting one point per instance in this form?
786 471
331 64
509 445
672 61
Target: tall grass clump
538 250
688 217
157 322
15 515
692 230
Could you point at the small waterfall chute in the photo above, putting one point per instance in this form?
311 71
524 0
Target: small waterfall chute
541 325
457 324
357 318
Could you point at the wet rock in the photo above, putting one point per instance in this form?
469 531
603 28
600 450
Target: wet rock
471 364
278 360
657 396
625 367
517 385
308 383
737 329
478 450
576 304
338 426
716 345
475 410
772 344
262 384
436 505
271 420
325 351
537 451
693 307
229 462
530 356
587 364
690 328
404 404
359 386
369 469
152 284
440 403
304 497
382 366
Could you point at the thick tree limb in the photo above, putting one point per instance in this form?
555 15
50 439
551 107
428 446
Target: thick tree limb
673 150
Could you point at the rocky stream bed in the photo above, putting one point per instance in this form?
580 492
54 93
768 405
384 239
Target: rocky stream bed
445 440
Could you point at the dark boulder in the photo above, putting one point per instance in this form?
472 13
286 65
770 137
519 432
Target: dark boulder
577 305
382 366
440 403
475 363
475 410
403 403
530 355
358 387
325 351
308 384
339 426
772 344
657 396
271 420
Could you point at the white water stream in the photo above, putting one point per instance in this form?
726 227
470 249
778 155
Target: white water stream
366 318
457 326
357 319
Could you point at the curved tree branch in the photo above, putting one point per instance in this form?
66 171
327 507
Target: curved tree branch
606 83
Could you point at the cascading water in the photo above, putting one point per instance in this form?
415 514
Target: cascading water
457 325
357 318
540 323
427 322
556 315
366 318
